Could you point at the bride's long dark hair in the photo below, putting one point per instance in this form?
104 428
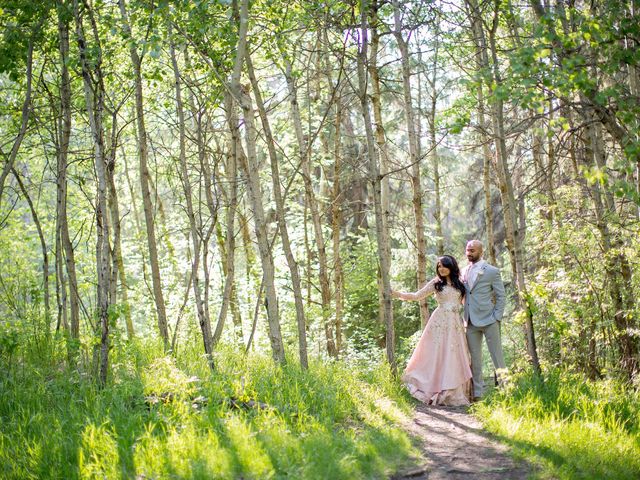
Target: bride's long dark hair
447 261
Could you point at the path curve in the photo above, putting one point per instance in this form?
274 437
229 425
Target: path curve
455 446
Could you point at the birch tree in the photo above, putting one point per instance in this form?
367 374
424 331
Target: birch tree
143 153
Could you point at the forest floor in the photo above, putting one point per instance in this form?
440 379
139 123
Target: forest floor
455 446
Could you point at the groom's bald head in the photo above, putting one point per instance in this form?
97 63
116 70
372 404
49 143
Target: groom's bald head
474 250
476 244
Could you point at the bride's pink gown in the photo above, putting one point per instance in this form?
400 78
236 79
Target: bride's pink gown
439 371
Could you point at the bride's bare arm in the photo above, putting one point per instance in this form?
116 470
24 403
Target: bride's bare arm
427 290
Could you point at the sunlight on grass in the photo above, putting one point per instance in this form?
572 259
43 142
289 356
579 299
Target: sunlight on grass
568 427
285 449
165 417
184 452
162 377
98 453
253 462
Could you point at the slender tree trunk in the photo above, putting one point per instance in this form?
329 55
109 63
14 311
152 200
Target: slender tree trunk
376 104
63 149
282 223
251 170
486 180
227 242
336 226
376 181
136 63
124 285
196 233
198 114
113 218
551 166
117 267
435 160
61 283
94 99
435 165
229 295
307 249
414 161
336 190
312 201
486 141
383 155
139 234
251 275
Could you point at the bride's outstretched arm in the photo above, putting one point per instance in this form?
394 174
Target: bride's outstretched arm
428 289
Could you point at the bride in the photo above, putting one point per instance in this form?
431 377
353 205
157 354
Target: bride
439 371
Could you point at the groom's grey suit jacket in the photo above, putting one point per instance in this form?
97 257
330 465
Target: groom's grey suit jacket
484 301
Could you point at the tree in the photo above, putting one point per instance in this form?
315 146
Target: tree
249 164
195 229
514 234
415 157
376 180
136 63
93 80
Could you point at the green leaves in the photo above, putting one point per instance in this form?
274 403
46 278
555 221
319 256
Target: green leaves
8 342
501 92
459 122
21 23
541 54
595 175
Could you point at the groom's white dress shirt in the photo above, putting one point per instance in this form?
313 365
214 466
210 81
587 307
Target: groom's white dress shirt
472 272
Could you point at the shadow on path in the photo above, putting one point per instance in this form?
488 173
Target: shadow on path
455 446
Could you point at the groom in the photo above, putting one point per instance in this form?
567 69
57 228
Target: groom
483 309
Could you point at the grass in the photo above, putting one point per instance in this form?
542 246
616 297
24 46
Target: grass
332 421
567 426
167 418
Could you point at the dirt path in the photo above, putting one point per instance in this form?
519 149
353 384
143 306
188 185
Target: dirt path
455 446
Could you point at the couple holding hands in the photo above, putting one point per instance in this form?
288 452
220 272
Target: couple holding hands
448 356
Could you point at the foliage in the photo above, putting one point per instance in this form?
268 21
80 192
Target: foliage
362 322
568 426
569 289
580 55
162 417
21 24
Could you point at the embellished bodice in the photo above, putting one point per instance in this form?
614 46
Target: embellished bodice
449 299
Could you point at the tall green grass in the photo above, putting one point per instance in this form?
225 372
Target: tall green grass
250 419
567 426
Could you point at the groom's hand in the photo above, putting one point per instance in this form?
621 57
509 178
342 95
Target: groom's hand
498 290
